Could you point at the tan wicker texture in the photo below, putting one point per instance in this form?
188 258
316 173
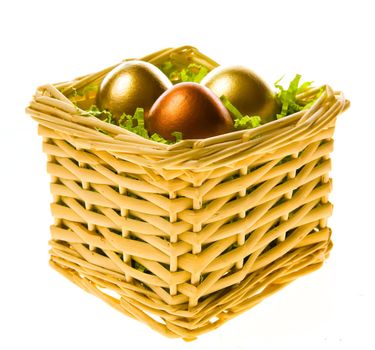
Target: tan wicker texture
185 237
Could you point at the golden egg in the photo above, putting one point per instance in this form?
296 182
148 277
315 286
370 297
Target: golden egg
130 85
245 90
191 109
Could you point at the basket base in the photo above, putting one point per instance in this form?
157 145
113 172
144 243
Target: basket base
187 322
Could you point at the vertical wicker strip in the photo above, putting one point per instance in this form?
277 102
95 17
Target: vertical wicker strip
185 237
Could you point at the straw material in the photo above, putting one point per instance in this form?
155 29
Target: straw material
185 237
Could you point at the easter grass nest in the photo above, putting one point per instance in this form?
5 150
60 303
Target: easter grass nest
187 65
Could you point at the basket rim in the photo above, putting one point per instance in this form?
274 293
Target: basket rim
52 109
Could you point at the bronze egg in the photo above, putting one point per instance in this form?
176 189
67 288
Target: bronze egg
191 109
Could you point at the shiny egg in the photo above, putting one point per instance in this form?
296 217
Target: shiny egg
189 108
130 85
245 90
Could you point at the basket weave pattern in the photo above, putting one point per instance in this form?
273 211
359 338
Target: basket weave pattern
217 224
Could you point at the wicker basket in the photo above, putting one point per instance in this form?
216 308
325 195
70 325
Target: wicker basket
186 236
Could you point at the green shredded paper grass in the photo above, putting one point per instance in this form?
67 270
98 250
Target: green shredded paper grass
240 121
288 97
192 73
133 123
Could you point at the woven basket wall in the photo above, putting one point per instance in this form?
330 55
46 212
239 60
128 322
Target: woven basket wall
216 225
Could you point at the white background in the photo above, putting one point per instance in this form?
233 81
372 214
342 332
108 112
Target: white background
47 42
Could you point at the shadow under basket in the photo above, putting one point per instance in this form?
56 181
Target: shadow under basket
186 236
